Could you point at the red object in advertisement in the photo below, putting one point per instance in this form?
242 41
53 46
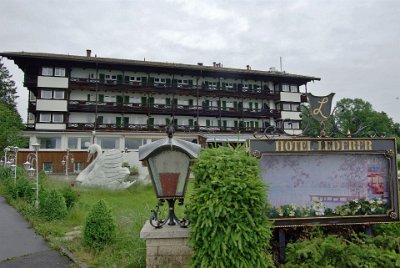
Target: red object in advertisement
169 183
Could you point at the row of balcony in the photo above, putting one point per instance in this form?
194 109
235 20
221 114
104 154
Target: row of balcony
186 110
159 128
238 91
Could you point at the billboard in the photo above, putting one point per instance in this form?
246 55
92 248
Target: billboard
329 181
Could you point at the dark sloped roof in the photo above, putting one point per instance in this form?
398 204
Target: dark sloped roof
127 62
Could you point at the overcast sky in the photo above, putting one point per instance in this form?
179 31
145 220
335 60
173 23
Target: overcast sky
353 46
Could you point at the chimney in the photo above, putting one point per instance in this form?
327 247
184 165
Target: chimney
248 67
88 53
214 63
200 63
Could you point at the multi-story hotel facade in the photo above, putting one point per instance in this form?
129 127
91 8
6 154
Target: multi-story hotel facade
122 104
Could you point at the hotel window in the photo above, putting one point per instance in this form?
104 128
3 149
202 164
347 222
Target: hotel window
47 71
48 167
294 107
45 117
46 94
135 79
73 143
294 88
85 143
108 143
50 143
285 88
58 94
59 71
58 118
134 144
291 125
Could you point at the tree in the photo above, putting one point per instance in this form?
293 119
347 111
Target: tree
354 116
8 90
11 127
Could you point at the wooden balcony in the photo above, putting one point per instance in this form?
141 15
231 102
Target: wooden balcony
172 89
169 109
158 128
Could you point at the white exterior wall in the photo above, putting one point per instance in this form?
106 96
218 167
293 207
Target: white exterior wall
51 105
290 115
52 126
80 95
81 117
290 96
52 82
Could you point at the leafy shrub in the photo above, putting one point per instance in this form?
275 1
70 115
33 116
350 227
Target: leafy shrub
71 197
332 251
229 227
53 206
134 170
100 226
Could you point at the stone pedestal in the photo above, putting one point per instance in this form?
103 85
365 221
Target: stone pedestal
166 247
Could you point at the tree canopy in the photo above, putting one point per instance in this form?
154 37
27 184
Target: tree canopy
8 89
11 127
354 116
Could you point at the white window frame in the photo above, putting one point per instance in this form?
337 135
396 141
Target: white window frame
47 71
285 88
42 118
46 94
62 92
294 88
58 118
58 71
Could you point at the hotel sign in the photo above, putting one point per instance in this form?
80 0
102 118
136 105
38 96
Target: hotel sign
329 181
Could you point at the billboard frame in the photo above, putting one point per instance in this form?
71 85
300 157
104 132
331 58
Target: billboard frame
336 146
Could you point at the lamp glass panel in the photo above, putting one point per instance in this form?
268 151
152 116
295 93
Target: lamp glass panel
169 170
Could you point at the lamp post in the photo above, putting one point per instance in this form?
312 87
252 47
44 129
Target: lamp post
168 161
28 165
66 160
12 161
6 150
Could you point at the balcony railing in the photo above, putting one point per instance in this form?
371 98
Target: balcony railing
158 127
172 88
176 109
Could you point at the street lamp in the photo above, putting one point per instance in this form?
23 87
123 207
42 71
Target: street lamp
168 161
28 165
66 160
12 162
4 162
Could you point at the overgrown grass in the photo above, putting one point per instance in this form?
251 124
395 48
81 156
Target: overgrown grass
131 208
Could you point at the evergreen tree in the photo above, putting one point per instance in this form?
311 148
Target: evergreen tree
11 127
8 89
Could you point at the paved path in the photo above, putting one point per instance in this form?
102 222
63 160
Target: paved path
20 246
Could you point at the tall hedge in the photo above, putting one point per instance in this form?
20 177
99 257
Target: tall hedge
229 227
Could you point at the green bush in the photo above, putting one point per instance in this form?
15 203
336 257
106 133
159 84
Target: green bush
229 227
100 226
71 197
332 251
53 205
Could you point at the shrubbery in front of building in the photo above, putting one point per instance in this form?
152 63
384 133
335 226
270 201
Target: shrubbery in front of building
229 227
52 206
100 226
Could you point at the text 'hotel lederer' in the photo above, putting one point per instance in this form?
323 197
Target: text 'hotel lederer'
326 145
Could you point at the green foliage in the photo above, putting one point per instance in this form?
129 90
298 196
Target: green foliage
53 206
71 197
11 127
100 226
229 227
353 114
390 229
8 90
332 251
134 170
